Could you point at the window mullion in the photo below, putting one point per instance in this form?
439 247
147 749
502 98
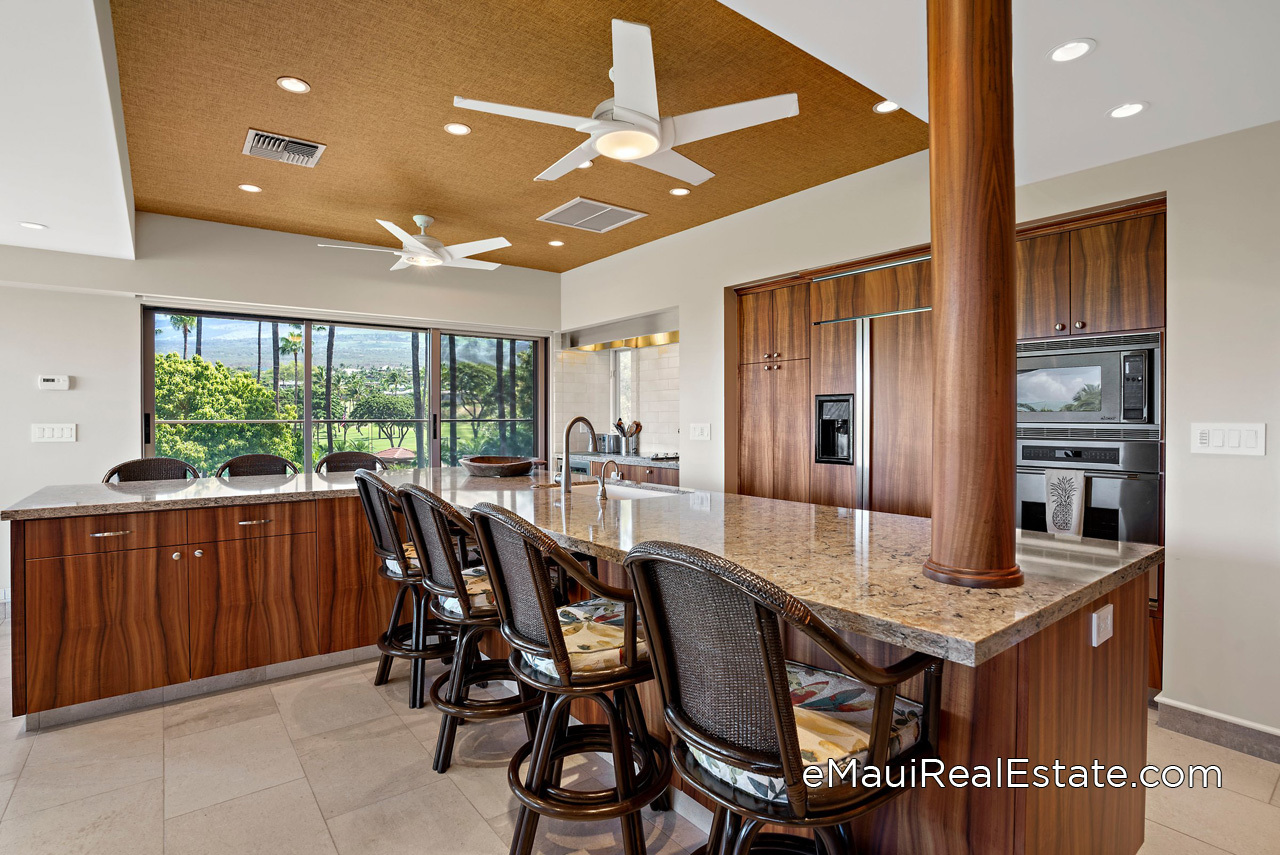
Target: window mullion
308 458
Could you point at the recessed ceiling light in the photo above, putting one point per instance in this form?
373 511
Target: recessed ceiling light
1073 49
458 129
679 191
885 107
296 85
33 225
586 165
250 188
1124 111
555 243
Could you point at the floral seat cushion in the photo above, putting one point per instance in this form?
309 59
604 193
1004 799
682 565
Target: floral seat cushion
593 633
833 722
479 592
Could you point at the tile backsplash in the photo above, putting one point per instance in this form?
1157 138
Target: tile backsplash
657 397
581 386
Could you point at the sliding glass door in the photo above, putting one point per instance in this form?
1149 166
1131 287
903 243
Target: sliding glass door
217 386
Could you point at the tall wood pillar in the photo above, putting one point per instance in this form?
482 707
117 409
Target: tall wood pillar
971 195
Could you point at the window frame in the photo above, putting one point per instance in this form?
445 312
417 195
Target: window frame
433 374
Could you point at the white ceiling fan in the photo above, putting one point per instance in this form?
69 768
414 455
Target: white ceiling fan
422 250
628 126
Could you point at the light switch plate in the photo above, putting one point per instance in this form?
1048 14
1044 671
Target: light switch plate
1245 438
1103 624
53 382
53 433
700 432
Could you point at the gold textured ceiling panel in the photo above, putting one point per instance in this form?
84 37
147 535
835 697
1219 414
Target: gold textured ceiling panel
195 76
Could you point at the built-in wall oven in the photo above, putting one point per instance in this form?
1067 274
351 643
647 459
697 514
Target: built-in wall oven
1093 405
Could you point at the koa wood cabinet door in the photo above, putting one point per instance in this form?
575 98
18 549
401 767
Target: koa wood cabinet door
774 325
775 430
1118 276
354 601
105 625
253 603
896 288
1044 286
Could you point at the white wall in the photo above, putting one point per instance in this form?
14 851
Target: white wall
1223 361
81 315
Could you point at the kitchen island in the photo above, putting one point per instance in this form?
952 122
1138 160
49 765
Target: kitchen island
123 588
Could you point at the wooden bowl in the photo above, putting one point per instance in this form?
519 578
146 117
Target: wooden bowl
498 467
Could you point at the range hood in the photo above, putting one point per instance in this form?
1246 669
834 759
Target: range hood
643 331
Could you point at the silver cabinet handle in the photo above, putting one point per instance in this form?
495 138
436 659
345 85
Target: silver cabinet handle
776 355
1059 327
253 522
1079 325
766 356
111 533
199 553
177 555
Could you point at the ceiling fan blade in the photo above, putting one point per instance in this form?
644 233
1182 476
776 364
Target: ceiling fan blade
571 161
401 264
365 248
475 247
733 117
546 117
472 264
635 87
404 237
677 166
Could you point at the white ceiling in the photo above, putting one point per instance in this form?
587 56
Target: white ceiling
1207 68
63 160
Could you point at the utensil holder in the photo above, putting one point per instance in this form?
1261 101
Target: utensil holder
632 444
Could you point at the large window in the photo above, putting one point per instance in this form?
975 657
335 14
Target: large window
220 386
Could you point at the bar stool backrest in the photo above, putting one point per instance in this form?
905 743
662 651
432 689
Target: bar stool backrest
429 518
151 469
381 509
349 461
256 464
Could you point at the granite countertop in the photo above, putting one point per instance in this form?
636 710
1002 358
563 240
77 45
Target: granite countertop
627 459
859 570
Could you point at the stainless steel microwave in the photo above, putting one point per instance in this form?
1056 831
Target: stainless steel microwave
1095 382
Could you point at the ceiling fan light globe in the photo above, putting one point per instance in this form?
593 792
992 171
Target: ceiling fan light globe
423 260
627 145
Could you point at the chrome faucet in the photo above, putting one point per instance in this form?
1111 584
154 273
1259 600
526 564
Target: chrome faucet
566 480
604 473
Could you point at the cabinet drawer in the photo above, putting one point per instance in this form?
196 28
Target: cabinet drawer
238 522
104 533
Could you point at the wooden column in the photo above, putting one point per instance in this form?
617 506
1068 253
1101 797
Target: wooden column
971 193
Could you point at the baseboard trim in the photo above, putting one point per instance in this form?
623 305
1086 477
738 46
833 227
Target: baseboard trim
1247 737
193 688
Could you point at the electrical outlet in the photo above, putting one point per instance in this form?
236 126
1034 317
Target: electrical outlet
700 432
1103 624
1229 438
53 433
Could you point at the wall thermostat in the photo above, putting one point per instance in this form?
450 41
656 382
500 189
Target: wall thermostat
54 382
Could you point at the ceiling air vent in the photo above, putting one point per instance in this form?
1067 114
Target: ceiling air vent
282 148
590 216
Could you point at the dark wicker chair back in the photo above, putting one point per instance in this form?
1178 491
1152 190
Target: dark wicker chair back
714 631
151 469
256 464
381 509
432 524
349 461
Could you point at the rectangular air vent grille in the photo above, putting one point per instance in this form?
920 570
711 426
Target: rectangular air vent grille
1134 433
590 216
1075 342
282 148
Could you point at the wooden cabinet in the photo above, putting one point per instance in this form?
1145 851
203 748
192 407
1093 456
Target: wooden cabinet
775 433
1044 286
1118 276
898 288
774 325
901 479
833 371
242 521
641 474
353 601
104 533
253 603
106 624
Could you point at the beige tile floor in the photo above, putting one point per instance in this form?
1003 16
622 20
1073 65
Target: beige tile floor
329 763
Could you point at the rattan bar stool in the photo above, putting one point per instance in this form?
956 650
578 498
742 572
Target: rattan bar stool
463 598
746 722
397 562
151 469
606 664
256 464
349 461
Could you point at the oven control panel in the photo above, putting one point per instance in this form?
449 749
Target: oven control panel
1069 453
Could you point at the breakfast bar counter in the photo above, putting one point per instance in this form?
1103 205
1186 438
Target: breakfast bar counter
236 574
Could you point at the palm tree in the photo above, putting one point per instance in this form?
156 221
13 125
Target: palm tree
394 378
418 410
275 363
328 385
291 345
199 334
183 324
